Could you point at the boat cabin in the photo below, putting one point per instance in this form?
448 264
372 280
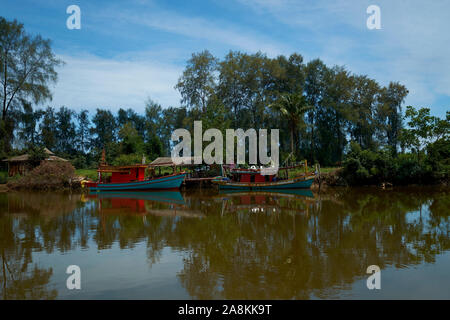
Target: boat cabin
250 175
123 174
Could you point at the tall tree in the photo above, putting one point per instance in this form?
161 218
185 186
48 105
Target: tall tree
231 85
27 67
83 130
66 130
104 129
130 140
293 107
315 74
421 129
28 122
197 83
335 113
364 101
48 129
129 115
389 112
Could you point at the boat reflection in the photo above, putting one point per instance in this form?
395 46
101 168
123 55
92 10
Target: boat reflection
295 201
159 203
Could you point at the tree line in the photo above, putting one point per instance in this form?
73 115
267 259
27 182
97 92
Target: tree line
319 109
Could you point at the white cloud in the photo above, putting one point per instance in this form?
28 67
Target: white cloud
413 46
91 82
213 30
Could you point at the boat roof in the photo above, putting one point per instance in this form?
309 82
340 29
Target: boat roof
120 168
168 162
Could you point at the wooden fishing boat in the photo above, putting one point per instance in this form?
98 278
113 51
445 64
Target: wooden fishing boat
294 183
132 178
252 179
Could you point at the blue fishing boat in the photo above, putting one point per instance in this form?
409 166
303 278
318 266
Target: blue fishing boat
294 183
252 179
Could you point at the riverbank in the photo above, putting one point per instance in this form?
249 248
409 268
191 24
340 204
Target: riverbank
332 177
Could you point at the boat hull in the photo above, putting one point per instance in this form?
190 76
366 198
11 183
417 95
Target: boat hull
167 182
296 183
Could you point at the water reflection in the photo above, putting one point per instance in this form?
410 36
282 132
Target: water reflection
234 245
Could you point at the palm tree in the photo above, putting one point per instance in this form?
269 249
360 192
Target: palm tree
293 107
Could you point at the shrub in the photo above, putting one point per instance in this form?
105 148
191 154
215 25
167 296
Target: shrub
48 175
79 162
365 167
438 158
3 177
127 159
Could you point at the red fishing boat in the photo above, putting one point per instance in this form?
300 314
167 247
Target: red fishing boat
132 178
252 179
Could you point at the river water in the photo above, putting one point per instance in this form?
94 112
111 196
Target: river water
211 245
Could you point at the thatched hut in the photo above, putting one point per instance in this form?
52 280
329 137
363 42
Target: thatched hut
23 163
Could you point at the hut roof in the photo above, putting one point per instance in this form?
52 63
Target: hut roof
47 151
55 158
26 157
168 162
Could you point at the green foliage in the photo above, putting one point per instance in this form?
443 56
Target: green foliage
3 177
66 141
438 158
49 129
80 162
37 154
366 167
104 129
90 174
292 107
317 108
153 147
27 69
131 141
197 84
127 159
84 126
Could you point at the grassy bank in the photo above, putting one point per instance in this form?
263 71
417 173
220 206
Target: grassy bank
3 177
90 174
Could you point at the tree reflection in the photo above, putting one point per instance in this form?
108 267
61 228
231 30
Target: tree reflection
236 246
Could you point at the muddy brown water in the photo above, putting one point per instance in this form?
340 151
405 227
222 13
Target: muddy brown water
240 245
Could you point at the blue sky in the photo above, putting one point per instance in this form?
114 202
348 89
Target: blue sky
127 51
